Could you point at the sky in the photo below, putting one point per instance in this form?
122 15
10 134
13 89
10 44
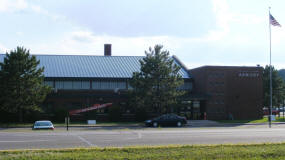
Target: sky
198 32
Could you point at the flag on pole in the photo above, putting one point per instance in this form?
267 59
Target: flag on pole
273 21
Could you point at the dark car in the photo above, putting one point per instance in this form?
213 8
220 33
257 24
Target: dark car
167 120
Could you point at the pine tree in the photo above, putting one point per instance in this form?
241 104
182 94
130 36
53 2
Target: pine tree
21 83
155 86
278 88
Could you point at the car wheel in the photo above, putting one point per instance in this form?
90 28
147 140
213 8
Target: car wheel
155 124
179 124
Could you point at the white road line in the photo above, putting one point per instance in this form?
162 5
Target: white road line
84 140
139 135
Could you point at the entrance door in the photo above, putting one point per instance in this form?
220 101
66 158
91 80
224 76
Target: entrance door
196 113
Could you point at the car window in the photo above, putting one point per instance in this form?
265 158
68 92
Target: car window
173 116
43 124
161 117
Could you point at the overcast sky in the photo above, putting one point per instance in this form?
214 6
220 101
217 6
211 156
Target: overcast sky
199 32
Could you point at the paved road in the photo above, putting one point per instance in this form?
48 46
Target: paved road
130 137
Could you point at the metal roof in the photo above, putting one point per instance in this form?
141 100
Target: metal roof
79 66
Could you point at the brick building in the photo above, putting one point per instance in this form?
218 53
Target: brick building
233 91
81 81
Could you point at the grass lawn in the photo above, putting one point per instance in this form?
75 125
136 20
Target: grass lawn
263 120
226 152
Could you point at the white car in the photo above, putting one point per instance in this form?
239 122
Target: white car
43 125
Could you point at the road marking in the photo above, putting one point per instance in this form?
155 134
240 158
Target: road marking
139 135
84 140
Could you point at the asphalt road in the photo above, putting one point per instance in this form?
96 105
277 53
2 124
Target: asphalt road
130 137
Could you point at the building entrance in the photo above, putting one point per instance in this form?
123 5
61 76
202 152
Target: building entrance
195 111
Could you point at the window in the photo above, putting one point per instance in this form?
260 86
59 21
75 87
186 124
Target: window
108 84
129 86
48 83
122 85
105 85
186 86
72 84
59 84
76 84
67 84
113 84
85 85
96 85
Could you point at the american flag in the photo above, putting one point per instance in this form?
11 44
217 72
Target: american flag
273 21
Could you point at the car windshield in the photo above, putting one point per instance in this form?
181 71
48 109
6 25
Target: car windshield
43 124
166 116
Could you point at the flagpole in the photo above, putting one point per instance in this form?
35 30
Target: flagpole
270 72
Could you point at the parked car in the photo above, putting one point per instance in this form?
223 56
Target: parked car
43 125
274 111
281 109
166 120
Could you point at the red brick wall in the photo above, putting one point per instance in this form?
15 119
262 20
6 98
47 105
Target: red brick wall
235 90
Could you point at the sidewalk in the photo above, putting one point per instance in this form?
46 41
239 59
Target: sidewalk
209 123
203 123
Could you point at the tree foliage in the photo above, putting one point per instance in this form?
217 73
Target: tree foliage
21 82
281 73
155 86
278 88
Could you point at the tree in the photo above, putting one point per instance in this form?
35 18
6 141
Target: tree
156 84
21 83
281 73
278 87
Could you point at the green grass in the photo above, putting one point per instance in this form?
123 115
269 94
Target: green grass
263 120
218 152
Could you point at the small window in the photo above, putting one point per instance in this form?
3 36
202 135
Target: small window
122 85
105 84
67 84
85 85
59 84
76 84
48 83
96 85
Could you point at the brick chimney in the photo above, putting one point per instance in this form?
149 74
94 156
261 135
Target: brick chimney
107 49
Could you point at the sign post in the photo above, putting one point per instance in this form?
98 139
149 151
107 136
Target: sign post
67 122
